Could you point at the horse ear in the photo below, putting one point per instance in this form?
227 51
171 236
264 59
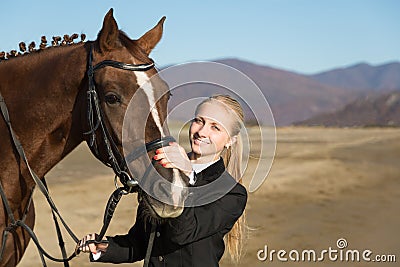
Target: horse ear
108 35
150 39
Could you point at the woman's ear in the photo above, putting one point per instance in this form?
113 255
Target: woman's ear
232 140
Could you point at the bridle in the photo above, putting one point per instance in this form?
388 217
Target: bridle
95 116
116 161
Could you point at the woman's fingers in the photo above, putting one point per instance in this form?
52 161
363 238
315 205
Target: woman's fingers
166 154
87 244
173 156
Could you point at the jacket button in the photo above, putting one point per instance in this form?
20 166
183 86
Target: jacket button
160 258
158 234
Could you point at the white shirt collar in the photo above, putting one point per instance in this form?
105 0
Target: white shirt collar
198 167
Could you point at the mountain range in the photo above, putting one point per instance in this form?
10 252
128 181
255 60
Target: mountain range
295 97
363 77
377 111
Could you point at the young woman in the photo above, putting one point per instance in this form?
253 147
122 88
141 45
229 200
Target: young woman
195 238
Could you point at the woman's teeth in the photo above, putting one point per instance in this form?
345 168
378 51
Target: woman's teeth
204 141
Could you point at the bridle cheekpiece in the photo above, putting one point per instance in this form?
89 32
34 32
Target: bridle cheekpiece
95 116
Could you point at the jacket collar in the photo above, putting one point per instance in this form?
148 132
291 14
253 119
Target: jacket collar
212 172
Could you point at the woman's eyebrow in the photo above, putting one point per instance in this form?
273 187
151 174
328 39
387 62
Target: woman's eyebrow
210 120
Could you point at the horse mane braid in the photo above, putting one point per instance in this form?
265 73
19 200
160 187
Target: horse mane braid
22 47
31 46
43 42
13 53
56 41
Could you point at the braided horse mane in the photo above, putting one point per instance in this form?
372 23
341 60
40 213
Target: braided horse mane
56 42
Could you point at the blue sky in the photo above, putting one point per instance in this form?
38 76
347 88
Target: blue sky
306 36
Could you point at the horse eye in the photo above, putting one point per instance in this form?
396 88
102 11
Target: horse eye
112 99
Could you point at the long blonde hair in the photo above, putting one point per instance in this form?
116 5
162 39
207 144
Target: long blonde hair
232 157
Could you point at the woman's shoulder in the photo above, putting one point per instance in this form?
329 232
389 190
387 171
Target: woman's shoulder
236 186
239 189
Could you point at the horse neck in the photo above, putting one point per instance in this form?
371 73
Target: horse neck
40 91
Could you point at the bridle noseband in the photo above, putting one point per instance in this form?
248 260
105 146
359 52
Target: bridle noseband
95 116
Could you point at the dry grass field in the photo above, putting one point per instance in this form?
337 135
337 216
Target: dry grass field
324 184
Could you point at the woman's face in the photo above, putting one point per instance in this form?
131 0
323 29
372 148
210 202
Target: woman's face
210 131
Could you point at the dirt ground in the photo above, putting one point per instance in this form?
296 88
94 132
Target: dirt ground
324 185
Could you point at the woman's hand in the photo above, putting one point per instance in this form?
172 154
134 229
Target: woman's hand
174 156
89 244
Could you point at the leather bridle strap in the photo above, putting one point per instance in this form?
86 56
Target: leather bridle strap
123 66
96 120
150 146
60 238
118 165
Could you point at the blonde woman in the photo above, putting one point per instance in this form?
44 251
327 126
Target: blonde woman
199 236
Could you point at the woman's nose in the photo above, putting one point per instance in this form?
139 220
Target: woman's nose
202 131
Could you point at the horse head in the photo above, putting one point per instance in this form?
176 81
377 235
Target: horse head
120 72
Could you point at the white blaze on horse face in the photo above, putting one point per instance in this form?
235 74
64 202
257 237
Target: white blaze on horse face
144 83
177 185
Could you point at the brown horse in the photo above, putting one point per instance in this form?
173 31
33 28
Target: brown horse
46 92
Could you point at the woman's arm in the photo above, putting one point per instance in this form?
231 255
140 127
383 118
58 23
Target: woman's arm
119 249
199 222
126 248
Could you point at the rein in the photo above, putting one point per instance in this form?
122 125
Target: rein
21 223
116 161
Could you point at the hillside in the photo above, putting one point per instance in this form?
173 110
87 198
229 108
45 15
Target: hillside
383 110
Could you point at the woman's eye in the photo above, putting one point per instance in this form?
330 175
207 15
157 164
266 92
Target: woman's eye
197 120
112 99
216 127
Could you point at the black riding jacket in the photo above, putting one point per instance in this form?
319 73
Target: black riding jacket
194 239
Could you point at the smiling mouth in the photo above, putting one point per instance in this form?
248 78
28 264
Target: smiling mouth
201 141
